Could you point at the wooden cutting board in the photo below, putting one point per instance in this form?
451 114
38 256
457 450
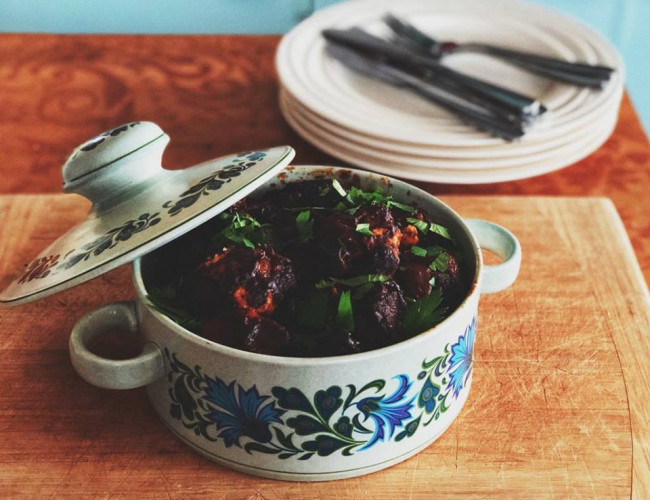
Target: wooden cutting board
559 405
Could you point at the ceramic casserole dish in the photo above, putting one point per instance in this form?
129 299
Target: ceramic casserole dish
302 419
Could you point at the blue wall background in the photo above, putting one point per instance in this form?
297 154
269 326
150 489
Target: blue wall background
623 22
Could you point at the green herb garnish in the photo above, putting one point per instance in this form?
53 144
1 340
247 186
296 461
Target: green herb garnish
440 263
165 300
433 251
425 227
424 313
305 225
242 229
344 314
364 279
313 312
356 197
422 226
364 228
401 206
339 189
419 251
441 230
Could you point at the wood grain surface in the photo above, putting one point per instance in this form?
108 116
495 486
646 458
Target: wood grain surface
216 95
558 407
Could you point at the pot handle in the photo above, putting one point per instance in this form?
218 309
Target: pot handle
503 243
111 373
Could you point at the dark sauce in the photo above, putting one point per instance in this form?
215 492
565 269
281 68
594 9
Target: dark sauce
314 269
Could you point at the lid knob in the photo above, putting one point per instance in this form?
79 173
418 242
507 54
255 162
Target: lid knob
115 160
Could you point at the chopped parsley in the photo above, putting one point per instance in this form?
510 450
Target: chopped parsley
324 191
305 225
425 227
165 300
364 279
364 228
433 251
440 263
356 197
441 230
401 206
344 313
424 313
419 251
313 312
422 226
339 189
242 229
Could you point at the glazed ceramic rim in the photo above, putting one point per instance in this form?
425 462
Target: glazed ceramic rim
330 171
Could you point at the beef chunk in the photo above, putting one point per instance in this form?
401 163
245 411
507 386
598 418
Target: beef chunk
383 246
339 243
378 315
450 282
348 252
414 279
254 280
385 259
266 336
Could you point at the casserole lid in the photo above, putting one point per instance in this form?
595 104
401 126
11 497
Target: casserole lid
137 206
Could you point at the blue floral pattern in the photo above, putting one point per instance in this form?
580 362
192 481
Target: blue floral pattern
240 413
289 424
387 412
460 363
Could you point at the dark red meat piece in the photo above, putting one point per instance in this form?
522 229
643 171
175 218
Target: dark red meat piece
348 252
339 243
253 280
414 279
266 336
453 290
378 315
383 246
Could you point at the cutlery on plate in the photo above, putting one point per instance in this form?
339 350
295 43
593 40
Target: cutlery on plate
575 73
467 111
397 55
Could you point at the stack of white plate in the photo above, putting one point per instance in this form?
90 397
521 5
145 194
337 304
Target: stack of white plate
393 131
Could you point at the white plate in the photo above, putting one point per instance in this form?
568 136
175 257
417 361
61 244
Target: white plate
309 74
373 99
332 100
401 167
477 153
311 129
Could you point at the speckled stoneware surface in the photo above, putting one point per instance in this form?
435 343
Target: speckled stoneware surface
137 205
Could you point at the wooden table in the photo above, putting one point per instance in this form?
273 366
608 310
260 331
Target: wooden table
558 406
215 95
